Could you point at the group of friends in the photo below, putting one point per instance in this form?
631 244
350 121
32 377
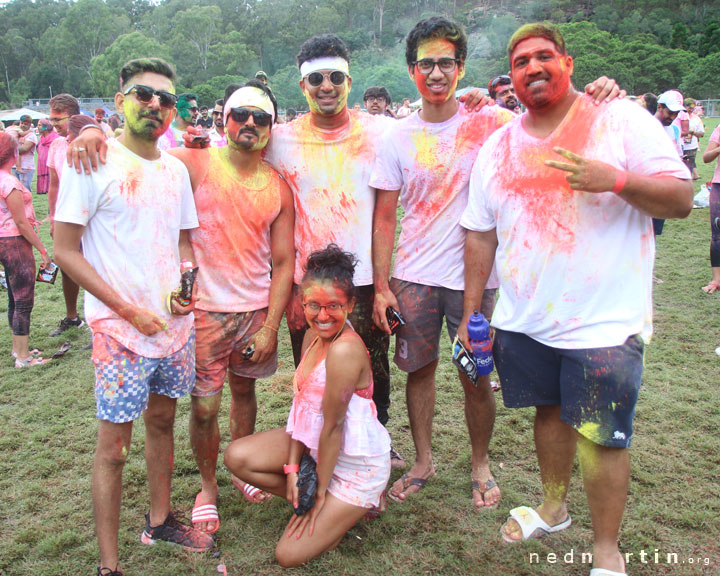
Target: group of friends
551 209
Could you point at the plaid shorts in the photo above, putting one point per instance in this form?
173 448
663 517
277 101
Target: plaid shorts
124 379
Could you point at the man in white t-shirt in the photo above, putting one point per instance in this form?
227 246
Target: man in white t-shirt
133 216
429 156
560 200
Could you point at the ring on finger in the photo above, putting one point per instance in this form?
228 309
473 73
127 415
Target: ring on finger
80 149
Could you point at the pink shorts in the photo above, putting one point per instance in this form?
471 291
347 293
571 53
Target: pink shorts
221 339
359 480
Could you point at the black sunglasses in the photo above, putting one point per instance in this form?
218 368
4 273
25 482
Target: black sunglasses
316 78
145 94
241 115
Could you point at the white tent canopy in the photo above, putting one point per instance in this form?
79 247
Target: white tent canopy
12 115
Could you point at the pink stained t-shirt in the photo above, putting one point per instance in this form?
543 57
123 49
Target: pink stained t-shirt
715 137
8 183
575 267
232 244
431 163
56 155
328 172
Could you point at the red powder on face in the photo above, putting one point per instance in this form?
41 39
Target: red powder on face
541 75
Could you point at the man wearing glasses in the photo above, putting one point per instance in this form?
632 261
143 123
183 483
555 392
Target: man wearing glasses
246 217
377 99
133 216
502 91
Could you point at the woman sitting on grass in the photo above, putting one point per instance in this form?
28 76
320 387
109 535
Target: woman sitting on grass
333 418
17 238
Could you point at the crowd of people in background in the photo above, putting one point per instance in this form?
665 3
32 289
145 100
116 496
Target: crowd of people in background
232 192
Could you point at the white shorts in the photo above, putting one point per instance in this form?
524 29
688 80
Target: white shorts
359 480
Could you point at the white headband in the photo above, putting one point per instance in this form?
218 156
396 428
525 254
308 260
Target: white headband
324 63
248 96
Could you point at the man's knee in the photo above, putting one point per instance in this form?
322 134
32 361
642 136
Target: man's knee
205 408
421 375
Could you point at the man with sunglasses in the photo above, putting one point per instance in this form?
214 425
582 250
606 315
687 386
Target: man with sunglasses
501 90
246 217
326 157
187 115
429 157
133 216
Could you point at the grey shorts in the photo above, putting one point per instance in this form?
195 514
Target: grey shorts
424 307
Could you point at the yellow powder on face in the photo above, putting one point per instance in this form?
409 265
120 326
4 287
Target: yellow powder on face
437 47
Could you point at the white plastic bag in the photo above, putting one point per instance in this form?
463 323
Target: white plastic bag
702 198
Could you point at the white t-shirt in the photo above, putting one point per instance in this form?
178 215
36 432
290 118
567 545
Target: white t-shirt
575 267
431 163
329 173
27 160
133 210
696 125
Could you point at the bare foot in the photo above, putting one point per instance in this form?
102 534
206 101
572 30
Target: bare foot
608 559
711 287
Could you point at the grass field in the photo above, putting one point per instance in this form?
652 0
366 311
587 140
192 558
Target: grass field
47 438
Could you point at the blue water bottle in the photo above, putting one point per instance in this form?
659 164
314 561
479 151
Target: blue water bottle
480 342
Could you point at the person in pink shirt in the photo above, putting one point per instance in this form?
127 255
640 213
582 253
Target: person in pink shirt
712 153
47 136
17 240
333 419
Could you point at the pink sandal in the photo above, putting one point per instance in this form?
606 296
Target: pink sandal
711 287
30 361
250 492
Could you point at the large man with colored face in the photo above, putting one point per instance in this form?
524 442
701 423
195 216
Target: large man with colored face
326 157
246 217
561 200
133 216
429 156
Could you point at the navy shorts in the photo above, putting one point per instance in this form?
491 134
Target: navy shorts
596 388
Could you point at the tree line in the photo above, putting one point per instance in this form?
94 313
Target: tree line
51 46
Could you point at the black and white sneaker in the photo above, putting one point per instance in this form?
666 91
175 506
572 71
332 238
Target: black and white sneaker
173 531
67 323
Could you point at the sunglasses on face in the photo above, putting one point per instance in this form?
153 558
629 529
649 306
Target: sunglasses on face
145 94
337 78
241 116
427 65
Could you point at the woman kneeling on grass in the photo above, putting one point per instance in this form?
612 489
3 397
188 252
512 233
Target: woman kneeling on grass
17 238
333 418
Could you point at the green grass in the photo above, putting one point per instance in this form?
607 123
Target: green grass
48 434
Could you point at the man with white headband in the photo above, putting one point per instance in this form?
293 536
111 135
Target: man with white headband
326 157
246 217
